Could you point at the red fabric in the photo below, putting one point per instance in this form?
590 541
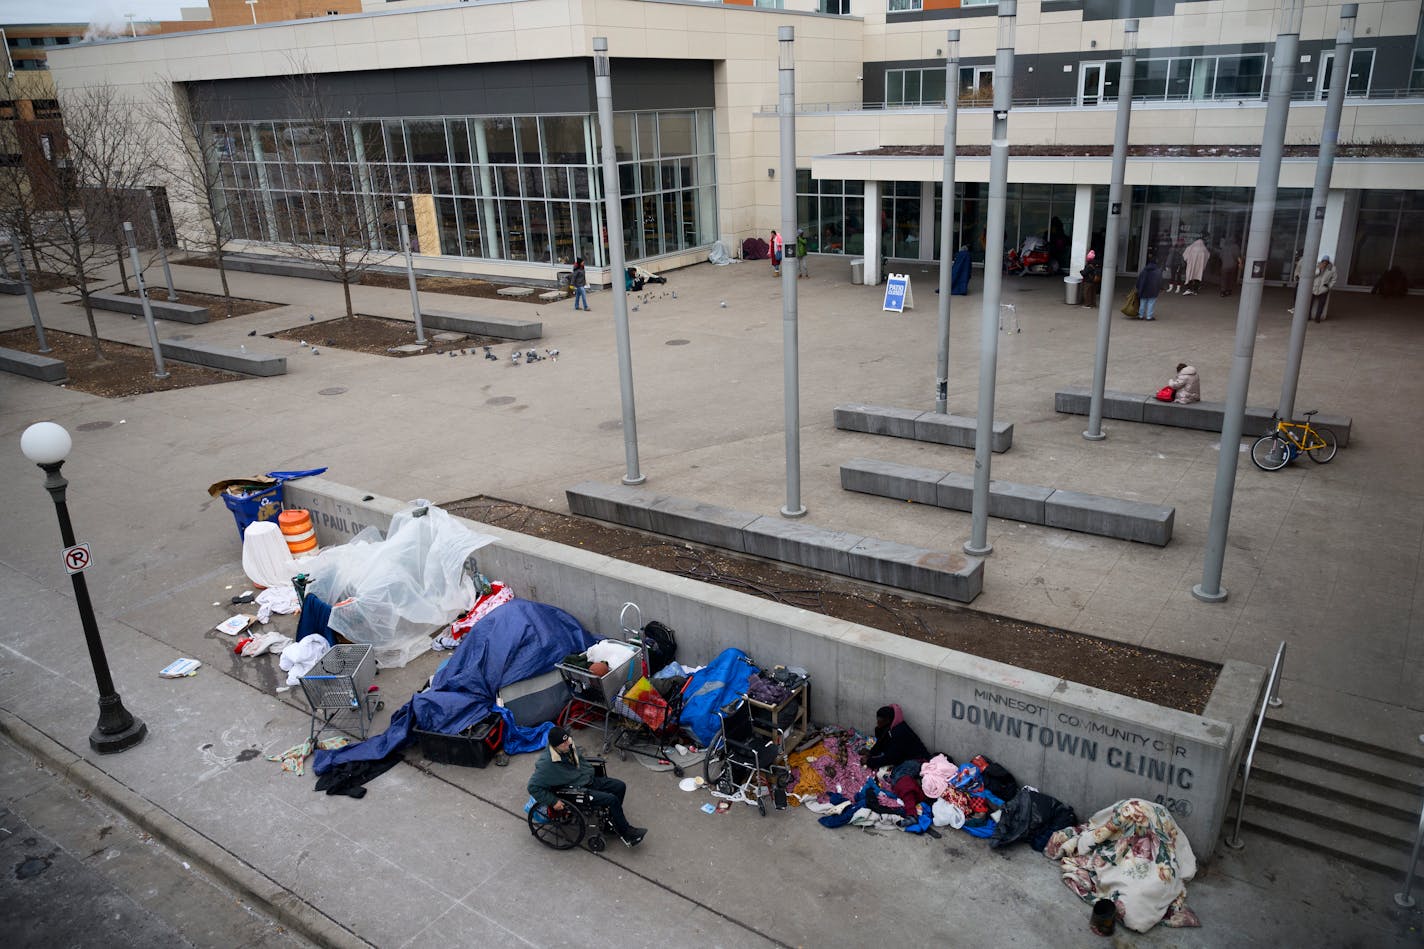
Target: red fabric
907 789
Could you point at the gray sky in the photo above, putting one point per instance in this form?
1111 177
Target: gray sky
89 11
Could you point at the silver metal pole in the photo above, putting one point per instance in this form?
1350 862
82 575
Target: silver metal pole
404 228
1248 312
1107 297
946 220
978 544
786 84
1403 898
1324 163
162 251
158 371
29 293
613 213
1235 842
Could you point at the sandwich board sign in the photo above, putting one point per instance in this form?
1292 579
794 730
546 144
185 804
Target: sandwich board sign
899 296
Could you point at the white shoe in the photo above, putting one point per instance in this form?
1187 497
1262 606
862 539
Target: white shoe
1290 310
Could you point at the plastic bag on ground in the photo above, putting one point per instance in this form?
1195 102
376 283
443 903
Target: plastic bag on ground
401 589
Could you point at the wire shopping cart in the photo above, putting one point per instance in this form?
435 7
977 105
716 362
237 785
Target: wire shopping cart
340 682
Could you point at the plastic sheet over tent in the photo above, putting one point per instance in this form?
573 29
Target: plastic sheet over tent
401 588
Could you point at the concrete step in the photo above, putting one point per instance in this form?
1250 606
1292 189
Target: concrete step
1280 793
1387 767
1336 784
1305 831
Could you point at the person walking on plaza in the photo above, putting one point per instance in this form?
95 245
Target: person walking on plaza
1092 274
778 247
1230 265
1196 257
580 283
1149 287
561 766
1320 288
803 269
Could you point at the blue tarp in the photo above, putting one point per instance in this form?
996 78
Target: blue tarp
959 273
721 681
515 642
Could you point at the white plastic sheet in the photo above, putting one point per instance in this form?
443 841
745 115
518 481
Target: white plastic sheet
402 588
718 255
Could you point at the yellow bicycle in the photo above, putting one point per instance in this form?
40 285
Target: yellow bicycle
1280 446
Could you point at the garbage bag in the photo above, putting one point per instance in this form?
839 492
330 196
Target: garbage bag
394 592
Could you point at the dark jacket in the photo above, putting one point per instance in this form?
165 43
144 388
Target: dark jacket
553 771
580 277
896 745
1149 282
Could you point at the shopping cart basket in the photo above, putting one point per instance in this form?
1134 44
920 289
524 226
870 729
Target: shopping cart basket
341 682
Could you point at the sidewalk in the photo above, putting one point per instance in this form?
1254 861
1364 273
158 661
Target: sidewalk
445 853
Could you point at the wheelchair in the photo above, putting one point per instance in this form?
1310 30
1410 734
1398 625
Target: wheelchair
743 766
581 822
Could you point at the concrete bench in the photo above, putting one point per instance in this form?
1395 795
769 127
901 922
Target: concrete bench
481 325
935 427
1203 416
1029 503
949 575
42 368
13 287
162 309
223 357
281 267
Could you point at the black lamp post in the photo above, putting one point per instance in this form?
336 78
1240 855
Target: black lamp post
47 445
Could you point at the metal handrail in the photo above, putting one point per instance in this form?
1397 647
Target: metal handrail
1270 700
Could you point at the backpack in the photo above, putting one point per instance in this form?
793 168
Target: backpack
661 641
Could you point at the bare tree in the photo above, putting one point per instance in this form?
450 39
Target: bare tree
100 166
193 159
333 224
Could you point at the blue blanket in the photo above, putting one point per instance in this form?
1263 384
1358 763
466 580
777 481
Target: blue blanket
514 642
723 680
959 273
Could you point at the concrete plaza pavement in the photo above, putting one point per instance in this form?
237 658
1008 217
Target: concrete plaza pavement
1326 558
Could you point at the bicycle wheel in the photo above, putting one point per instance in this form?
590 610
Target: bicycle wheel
1271 452
714 765
1325 448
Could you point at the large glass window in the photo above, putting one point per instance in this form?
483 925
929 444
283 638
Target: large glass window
1178 78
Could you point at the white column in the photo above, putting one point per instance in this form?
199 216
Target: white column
927 221
872 233
1082 227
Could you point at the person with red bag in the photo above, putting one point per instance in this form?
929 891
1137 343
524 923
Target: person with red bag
1184 389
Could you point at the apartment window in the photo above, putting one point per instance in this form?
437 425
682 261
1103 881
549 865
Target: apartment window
977 3
1177 78
914 87
1362 64
834 7
903 6
832 213
47 109
769 4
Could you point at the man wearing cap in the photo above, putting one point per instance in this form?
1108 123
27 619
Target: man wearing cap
563 767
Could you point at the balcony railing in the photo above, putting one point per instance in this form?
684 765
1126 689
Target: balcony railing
1381 96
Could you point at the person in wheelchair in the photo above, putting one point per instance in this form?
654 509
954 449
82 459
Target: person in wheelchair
563 768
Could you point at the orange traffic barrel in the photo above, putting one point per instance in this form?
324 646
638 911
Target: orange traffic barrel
297 531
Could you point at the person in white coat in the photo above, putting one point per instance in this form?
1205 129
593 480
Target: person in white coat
1196 257
1186 384
1320 287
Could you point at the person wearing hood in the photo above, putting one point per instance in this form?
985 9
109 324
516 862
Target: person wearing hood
1320 287
1196 257
1092 274
1149 288
1186 384
895 741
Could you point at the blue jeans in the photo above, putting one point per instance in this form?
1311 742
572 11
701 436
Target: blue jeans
580 297
1148 305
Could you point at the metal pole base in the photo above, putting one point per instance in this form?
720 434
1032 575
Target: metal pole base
627 479
973 551
1200 593
1095 436
787 512
1275 703
117 729
1404 900
160 375
1235 843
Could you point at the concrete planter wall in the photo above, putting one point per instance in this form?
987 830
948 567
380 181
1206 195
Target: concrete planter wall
1086 747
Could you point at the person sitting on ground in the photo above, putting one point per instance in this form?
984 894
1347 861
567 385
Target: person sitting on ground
895 741
631 279
563 767
1186 385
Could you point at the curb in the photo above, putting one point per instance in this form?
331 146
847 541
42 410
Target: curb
249 883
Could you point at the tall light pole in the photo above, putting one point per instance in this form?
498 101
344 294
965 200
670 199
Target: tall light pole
404 226
1324 163
29 293
1248 312
946 221
978 544
47 445
791 374
132 32
1114 230
252 5
158 371
613 214
162 251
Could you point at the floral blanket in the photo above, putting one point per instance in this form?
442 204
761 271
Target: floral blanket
1134 854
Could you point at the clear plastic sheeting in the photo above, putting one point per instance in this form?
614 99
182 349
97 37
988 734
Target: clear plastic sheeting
401 589
718 255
